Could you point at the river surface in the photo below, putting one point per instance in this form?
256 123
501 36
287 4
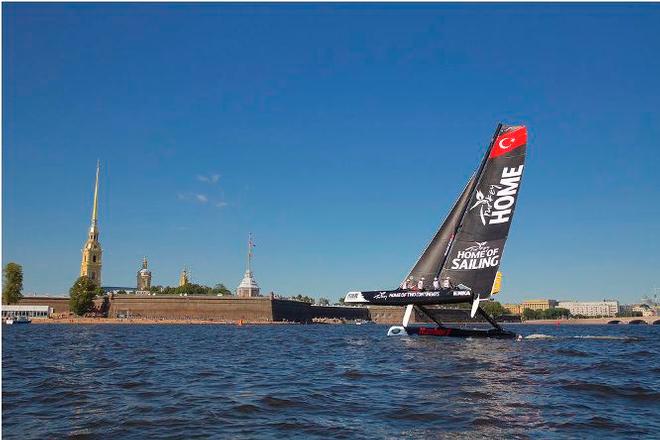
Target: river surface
327 381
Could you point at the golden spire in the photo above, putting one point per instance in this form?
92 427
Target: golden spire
96 194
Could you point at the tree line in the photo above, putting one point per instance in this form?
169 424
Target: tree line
12 283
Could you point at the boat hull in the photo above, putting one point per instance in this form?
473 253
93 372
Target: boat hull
451 332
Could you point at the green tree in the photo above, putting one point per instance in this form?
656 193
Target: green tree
82 295
220 289
493 308
529 314
303 298
555 313
340 301
191 289
323 302
12 284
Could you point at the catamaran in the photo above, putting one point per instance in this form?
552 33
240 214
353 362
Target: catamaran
460 264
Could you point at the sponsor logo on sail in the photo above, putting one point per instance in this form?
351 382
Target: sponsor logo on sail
485 202
496 205
479 256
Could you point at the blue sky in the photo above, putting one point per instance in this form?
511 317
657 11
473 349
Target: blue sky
340 135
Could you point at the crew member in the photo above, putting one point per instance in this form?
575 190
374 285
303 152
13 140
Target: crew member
420 284
436 283
446 284
404 285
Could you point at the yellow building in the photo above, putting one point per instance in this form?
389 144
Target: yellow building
514 309
539 304
91 253
183 278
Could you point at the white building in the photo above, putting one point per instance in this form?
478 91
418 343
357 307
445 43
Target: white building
248 287
30 311
591 308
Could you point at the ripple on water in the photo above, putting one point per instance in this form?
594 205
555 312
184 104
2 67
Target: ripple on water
638 393
326 382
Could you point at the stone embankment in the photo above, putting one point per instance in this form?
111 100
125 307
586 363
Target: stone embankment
597 321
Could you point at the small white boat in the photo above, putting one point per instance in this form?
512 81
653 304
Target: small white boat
18 320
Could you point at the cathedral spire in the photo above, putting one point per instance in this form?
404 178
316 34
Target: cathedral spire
91 265
249 256
96 195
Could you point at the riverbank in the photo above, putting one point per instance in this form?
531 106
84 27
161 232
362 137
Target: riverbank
95 321
594 321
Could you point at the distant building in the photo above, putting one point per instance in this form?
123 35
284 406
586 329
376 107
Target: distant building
90 266
539 304
117 289
644 309
30 311
514 309
184 278
591 308
144 278
248 287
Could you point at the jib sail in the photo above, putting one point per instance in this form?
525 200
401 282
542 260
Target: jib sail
476 250
433 257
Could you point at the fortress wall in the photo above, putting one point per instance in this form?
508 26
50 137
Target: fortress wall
293 311
226 309
296 311
340 312
393 315
192 307
60 305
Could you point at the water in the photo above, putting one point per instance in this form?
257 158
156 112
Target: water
196 381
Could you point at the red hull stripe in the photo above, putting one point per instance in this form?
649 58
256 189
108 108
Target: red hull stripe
512 139
434 331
